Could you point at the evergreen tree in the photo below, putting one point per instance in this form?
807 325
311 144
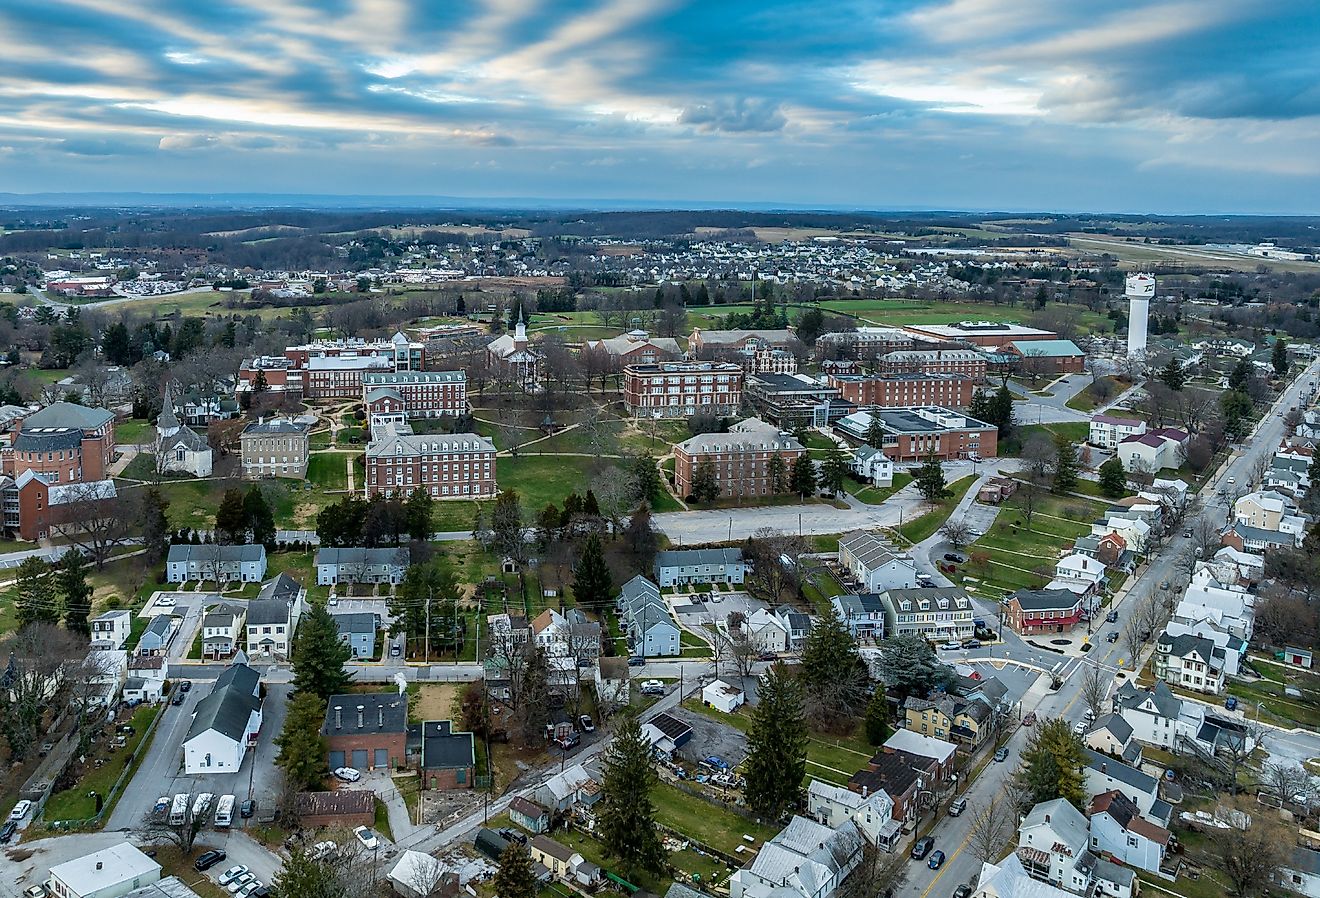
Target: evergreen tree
515 878
37 600
592 586
833 469
231 524
909 667
625 814
1065 464
1236 406
1113 479
810 324
71 583
875 433
549 522
301 746
305 877
1240 375
777 473
1173 375
705 485
1002 408
506 525
641 538
155 525
647 485
1279 357
876 721
981 408
1051 765
930 480
418 514
777 745
319 655
116 346
259 517
259 384
833 675
802 480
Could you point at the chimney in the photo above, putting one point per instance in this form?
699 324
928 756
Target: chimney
339 717
865 789
98 865
1047 818
380 717
1104 766
360 709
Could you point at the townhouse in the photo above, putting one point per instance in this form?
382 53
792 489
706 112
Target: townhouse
220 564
872 814
874 563
448 466
222 627
682 389
863 615
934 613
742 459
683 567
649 624
359 565
272 618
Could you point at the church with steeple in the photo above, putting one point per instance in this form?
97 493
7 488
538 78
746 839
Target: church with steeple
515 355
179 448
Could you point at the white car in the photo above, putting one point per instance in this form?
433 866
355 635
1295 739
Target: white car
1080 728
952 645
202 804
239 881
231 874
653 687
249 888
20 810
165 602
347 774
367 838
322 850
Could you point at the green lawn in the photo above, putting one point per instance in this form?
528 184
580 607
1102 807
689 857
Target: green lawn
1012 556
925 526
1075 431
328 470
705 822
874 495
542 479
134 430
75 803
1085 401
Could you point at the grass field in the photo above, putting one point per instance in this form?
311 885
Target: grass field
328 470
704 821
76 802
542 479
874 495
924 526
135 430
1075 431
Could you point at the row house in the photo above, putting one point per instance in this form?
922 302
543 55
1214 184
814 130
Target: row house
222 629
906 389
902 775
863 615
220 564
937 612
918 433
742 459
959 362
1270 511
648 623
682 567
448 466
361 565
682 389
1119 831
397 397
874 563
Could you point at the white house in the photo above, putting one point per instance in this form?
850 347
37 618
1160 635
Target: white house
222 628
1113 735
272 617
873 814
107 670
1104 774
1270 511
1301 871
1155 714
418 875
225 723
648 622
1108 431
612 683
1192 662
146 678
222 564
934 612
805 860
685 566
767 631
1151 452
721 696
179 449
873 466
1052 846
874 563
1119 830
110 630
109 873
1079 574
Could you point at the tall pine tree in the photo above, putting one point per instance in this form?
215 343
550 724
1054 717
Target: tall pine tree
777 474
231 523
418 514
876 721
515 877
1113 479
1051 765
260 519
833 469
301 745
777 745
319 655
71 583
930 480
802 480
37 599
592 585
625 813
1065 464
875 432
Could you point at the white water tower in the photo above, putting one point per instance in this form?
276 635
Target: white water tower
1140 290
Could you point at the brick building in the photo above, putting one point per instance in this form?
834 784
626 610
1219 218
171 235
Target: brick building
906 389
1043 610
33 507
340 376
403 354
682 389
343 809
990 334
864 343
703 343
331 369
1047 356
275 373
449 466
62 443
275 447
741 458
366 731
916 434
396 397
963 362
446 759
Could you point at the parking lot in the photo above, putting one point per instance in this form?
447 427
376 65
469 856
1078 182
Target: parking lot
161 773
710 737
705 608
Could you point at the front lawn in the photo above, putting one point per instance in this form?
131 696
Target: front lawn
76 802
542 479
875 495
134 431
925 526
328 470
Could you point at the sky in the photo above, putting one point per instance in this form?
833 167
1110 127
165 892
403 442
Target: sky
1171 106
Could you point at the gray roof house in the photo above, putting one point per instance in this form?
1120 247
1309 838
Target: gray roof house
361 566
156 637
684 566
647 620
222 564
272 617
358 629
863 615
225 723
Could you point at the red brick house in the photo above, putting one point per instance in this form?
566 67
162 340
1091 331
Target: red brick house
1043 610
901 775
445 759
366 731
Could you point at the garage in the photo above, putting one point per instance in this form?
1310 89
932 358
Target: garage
336 760
382 758
360 758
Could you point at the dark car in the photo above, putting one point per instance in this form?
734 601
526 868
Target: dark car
208 859
185 685
7 831
247 809
922 848
1111 636
767 656
971 643
963 891
636 661
1112 617
178 698
936 860
954 557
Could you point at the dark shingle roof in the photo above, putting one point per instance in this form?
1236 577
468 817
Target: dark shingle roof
1123 773
355 622
68 414
1045 599
267 611
382 712
444 748
229 706
47 439
282 587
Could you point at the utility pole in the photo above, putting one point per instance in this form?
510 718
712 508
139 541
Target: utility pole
426 637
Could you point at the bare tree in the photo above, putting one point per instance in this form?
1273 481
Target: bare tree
957 531
1249 858
993 827
1038 457
1235 749
1028 497
1132 639
157 826
613 490
1094 689
1285 780
876 874
738 646
87 681
428 877
95 519
40 657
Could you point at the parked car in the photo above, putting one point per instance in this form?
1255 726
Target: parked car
1230 703
208 859
162 804
957 807
396 650
332 601
347 774
20 810
1080 728
1187 532
514 836
653 687
963 891
322 850
972 644
239 881
954 557
1001 755
247 809
178 699
767 656
250 889
1111 636
585 721
636 661
37 891
922 848
1030 719
936 860
7 831
367 838
232 873
1111 617
165 602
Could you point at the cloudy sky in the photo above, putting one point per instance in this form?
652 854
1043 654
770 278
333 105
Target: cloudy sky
1106 105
